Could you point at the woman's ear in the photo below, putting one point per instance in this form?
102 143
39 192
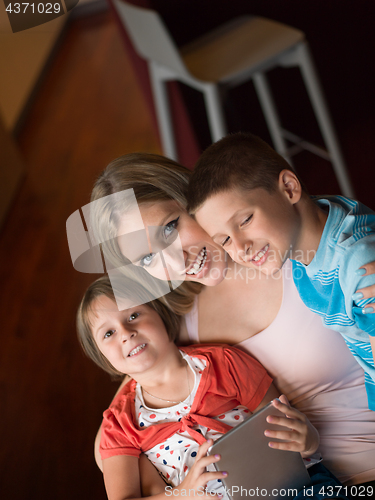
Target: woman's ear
290 186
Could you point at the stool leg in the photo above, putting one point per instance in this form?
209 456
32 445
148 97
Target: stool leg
159 88
215 115
270 113
321 111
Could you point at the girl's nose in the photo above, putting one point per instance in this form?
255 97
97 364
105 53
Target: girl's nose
127 333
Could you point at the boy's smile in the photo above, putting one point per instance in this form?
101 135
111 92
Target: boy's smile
256 227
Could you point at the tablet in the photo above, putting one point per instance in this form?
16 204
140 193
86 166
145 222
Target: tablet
254 469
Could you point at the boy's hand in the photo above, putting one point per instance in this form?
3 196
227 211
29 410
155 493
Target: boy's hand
197 477
369 291
302 435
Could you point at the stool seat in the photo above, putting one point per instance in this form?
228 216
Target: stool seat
241 49
233 51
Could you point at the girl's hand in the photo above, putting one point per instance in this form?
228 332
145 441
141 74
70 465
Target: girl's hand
197 477
369 291
302 435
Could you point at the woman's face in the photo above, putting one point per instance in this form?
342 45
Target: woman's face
173 246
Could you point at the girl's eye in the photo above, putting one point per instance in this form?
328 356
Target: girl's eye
133 316
146 260
109 333
248 219
225 241
170 228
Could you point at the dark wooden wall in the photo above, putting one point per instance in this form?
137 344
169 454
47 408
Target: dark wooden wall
88 111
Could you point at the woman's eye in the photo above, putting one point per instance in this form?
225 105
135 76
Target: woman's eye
133 316
146 260
248 219
225 241
170 228
109 333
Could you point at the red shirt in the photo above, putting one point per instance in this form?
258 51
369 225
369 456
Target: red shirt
231 378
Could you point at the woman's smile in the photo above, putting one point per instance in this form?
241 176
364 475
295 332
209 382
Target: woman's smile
196 267
187 252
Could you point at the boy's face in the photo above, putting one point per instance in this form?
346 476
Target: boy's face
133 340
257 228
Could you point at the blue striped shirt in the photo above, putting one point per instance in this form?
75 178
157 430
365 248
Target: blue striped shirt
327 284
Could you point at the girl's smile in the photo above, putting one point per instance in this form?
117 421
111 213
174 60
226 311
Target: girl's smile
137 350
134 340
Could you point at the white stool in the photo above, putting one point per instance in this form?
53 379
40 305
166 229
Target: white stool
242 49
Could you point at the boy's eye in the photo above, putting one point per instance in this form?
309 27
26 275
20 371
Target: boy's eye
225 241
248 219
133 316
109 333
146 260
169 228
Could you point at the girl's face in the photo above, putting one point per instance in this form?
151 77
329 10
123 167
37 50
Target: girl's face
177 248
133 340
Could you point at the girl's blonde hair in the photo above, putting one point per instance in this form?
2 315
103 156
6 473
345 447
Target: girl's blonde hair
153 178
129 289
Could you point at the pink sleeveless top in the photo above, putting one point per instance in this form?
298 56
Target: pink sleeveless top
313 367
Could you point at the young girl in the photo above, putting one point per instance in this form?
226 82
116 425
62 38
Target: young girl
177 400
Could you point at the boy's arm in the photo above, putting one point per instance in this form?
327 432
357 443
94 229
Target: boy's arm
372 342
353 281
369 291
301 434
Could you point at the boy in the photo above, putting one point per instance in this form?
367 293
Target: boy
250 201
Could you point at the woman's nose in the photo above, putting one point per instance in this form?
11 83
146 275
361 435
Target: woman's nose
175 259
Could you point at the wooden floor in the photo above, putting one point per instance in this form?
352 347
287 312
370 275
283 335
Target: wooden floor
88 111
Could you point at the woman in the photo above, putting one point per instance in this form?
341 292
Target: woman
263 315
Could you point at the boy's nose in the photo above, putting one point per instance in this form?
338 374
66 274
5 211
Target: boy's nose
242 247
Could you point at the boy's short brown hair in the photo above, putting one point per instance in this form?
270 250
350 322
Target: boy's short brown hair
240 160
131 289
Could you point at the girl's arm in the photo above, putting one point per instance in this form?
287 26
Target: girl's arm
122 480
150 480
98 458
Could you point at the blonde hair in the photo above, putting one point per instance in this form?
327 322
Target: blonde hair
153 178
129 289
